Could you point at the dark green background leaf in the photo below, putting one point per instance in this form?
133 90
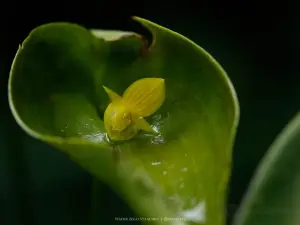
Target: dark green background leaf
272 197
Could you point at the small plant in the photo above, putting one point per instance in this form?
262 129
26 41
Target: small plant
166 145
124 116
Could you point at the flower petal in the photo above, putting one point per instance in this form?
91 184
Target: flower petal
145 96
113 96
142 124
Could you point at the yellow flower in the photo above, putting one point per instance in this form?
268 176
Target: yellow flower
124 116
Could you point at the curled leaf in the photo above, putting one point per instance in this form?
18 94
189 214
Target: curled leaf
176 177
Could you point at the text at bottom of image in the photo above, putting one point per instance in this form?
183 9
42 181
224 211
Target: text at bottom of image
148 218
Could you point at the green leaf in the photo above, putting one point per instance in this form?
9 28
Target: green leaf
178 177
273 196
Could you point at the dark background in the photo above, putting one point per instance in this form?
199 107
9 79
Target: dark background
256 42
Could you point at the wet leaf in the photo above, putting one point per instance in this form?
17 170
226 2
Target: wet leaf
177 177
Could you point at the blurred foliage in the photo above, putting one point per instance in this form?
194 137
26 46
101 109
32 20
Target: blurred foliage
272 196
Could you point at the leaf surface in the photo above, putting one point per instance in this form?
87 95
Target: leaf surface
178 177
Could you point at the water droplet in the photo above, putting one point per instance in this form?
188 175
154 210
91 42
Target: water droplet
156 163
165 173
155 128
98 137
184 169
157 140
181 185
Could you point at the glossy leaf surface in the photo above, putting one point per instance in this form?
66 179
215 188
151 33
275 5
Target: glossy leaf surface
178 177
